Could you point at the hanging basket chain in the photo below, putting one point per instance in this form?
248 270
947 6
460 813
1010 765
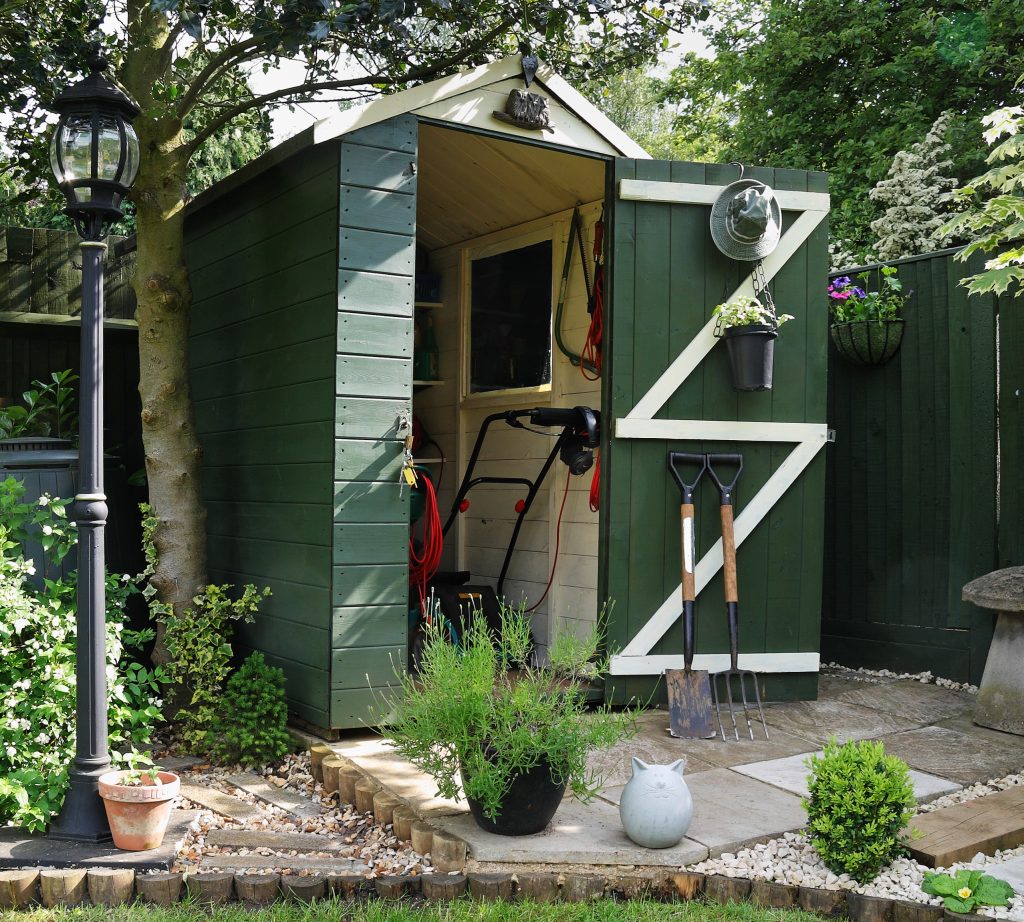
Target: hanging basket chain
762 292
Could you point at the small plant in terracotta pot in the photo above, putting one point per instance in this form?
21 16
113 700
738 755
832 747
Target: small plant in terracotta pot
138 804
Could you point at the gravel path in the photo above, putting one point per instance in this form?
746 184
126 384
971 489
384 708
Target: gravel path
351 834
791 859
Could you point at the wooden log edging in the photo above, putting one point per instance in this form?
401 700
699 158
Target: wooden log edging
30 887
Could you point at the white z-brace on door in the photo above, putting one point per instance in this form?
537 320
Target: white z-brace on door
636 658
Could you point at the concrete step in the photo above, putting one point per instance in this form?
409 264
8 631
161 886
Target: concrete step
298 863
287 800
221 803
277 841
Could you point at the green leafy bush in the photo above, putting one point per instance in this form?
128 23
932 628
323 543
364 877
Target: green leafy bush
37 666
250 724
965 890
859 802
50 409
467 712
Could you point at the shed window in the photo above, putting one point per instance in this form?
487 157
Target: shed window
510 319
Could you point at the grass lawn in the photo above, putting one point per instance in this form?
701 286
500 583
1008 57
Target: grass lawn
460 911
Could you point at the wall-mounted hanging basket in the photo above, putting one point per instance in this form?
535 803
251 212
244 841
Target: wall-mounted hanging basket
868 342
751 355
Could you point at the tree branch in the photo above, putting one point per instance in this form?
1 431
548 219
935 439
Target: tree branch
227 57
423 73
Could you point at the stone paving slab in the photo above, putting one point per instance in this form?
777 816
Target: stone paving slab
704 755
731 810
790 774
221 803
961 756
579 834
1011 870
277 841
818 720
915 701
832 684
179 763
287 800
260 862
19 849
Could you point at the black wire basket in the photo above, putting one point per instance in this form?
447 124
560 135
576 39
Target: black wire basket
867 342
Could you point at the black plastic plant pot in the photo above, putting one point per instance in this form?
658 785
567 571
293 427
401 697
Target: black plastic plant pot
752 355
867 342
527 807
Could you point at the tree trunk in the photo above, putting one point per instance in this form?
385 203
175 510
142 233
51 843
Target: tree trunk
164 295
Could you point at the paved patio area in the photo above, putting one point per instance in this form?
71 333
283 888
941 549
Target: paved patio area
744 792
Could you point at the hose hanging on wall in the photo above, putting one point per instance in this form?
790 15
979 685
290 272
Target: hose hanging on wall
423 565
588 364
595 307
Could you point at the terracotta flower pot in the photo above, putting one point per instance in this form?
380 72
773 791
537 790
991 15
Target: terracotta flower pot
138 813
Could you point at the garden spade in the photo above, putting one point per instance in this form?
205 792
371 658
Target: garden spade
689 692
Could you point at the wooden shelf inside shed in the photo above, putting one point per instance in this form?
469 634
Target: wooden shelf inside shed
427 383
427 305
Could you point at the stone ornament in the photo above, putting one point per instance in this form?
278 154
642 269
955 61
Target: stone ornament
656 807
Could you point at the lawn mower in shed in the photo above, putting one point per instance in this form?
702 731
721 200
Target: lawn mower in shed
450 594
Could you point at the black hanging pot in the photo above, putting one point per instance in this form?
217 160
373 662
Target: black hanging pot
528 805
867 342
751 351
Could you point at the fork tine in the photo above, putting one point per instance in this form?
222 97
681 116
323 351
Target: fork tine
746 706
732 710
718 704
760 710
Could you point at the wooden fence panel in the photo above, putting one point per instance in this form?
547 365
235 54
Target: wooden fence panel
912 481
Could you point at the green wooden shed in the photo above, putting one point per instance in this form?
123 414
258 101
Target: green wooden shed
425 218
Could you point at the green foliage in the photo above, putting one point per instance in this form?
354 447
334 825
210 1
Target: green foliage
37 666
859 802
839 86
199 645
250 726
743 311
466 712
966 890
51 409
849 302
632 100
995 224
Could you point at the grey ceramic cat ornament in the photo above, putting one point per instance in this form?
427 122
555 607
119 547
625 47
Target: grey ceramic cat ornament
656 807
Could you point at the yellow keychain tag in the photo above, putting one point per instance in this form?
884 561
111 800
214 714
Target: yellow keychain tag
410 475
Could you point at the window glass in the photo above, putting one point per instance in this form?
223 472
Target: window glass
510 319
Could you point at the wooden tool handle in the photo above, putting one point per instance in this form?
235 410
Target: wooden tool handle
729 555
689 552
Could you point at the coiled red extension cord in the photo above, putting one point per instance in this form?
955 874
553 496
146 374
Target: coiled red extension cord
591 352
595 484
423 566
558 543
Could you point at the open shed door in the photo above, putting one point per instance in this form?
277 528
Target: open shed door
668 387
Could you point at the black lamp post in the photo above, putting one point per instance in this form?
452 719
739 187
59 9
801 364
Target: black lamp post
94 153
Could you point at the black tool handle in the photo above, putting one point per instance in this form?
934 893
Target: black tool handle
689 635
725 490
680 457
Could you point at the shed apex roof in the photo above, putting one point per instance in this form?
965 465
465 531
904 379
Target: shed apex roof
470 93
478 79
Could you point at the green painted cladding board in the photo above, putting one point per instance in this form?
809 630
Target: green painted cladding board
664 278
373 387
912 480
263 261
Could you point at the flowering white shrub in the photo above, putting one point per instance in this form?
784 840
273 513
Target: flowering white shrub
917 196
37 667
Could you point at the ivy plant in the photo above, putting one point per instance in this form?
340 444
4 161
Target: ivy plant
743 311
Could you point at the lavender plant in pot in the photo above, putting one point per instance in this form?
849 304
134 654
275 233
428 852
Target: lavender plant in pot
750 328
